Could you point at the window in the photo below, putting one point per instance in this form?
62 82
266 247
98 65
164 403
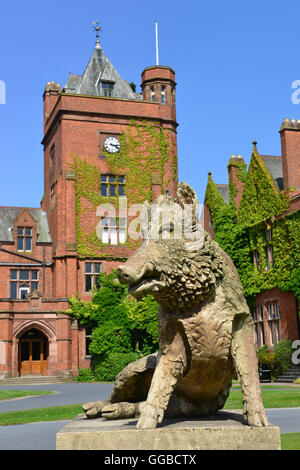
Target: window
52 195
258 319
88 340
269 256
22 282
256 258
268 235
24 238
268 247
92 270
112 232
274 322
107 89
52 155
112 185
163 94
152 93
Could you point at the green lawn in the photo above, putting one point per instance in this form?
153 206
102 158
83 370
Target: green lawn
10 394
271 398
53 413
290 441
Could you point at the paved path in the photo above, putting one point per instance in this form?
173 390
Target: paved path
65 394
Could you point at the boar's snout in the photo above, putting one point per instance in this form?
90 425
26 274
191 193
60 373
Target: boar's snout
126 275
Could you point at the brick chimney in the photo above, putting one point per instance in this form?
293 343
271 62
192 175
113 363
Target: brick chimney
51 94
236 172
290 150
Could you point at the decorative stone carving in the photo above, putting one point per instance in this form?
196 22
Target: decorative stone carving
206 332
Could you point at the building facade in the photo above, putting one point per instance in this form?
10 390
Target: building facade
256 219
106 148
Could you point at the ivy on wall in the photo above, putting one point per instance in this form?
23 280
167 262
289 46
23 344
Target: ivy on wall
242 232
145 150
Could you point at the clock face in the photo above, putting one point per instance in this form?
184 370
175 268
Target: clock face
112 145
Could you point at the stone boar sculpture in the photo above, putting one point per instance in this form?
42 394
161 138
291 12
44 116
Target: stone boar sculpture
206 332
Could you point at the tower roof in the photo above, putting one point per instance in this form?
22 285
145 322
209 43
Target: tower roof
99 69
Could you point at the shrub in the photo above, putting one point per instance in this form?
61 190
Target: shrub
106 368
85 375
279 360
283 352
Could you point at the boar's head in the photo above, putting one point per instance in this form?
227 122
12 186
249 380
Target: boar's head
177 262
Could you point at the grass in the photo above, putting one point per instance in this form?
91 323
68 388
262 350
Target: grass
11 394
290 441
53 413
271 398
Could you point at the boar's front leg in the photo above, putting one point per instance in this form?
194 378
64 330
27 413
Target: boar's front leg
246 364
171 365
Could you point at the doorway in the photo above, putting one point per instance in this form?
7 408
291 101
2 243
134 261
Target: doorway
33 353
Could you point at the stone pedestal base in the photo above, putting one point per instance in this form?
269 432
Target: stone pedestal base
224 431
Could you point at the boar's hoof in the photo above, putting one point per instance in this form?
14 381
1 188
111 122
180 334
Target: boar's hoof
148 419
256 418
120 410
93 409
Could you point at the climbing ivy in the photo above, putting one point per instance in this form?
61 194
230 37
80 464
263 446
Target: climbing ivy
243 232
261 199
147 149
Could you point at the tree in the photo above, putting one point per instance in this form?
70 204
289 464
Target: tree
123 328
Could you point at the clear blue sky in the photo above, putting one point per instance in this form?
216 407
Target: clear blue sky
235 62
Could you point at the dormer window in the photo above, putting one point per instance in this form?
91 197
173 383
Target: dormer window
24 238
107 89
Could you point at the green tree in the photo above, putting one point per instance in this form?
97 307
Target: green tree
123 328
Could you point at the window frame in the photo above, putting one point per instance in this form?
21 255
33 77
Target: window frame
274 322
258 320
91 275
20 283
103 90
109 181
115 230
24 237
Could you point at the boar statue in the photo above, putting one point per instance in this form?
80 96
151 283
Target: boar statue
206 332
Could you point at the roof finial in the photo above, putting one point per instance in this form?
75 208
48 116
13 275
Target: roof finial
98 29
254 147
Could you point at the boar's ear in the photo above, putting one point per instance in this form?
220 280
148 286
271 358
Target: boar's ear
145 220
193 231
187 198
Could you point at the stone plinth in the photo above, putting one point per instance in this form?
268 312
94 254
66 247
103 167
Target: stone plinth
224 431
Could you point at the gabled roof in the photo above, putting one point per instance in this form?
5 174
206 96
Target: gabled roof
99 68
8 215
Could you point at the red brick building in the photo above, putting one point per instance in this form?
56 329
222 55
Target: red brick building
50 253
272 224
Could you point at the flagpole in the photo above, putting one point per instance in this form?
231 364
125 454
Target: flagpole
156 40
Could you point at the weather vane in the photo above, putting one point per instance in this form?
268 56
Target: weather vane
98 29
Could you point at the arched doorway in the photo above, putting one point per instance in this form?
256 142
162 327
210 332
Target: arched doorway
33 353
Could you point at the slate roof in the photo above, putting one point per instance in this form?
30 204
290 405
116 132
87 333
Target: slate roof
274 165
224 191
9 214
99 68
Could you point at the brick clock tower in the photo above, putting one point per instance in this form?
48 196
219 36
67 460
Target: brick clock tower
103 144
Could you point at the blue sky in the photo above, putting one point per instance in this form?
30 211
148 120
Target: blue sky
235 63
